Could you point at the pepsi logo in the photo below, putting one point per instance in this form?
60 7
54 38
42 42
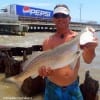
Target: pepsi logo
26 9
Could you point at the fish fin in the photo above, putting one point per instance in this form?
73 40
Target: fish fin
13 80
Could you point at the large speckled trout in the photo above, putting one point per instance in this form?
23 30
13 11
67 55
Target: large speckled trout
58 57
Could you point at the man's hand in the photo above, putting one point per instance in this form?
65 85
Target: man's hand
89 51
91 45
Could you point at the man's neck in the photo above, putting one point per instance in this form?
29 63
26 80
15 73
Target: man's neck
62 34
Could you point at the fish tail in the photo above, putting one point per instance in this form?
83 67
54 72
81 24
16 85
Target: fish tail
13 80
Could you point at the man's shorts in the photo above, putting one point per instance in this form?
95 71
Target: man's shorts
54 92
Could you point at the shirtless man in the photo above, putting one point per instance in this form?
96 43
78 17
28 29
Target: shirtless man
62 84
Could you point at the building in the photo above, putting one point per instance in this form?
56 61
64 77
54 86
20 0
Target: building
36 19
26 13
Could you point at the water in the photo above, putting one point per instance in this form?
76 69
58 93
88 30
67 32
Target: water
9 91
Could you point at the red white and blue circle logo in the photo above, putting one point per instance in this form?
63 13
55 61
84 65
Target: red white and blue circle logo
26 9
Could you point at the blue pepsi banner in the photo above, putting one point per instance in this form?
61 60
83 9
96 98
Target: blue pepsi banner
33 12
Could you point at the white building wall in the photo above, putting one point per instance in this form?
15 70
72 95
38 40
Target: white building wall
9 15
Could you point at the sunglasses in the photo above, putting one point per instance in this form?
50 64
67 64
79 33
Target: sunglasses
60 15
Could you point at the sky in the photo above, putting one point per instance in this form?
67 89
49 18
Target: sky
84 10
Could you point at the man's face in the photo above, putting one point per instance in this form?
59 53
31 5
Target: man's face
61 20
